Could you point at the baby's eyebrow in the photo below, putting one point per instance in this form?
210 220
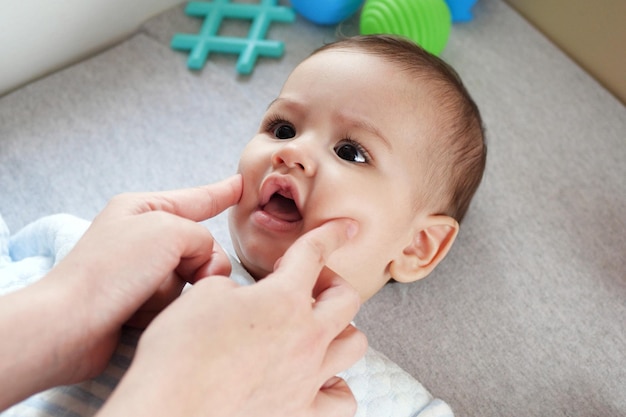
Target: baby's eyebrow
292 108
367 126
287 102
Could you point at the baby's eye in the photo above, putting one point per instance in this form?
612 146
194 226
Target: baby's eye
284 131
351 151
279 127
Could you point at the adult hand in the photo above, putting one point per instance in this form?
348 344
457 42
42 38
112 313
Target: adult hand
141 247
269 349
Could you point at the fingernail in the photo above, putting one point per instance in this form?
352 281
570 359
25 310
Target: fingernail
277 263
353 229
331 382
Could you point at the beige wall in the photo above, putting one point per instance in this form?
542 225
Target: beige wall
592 32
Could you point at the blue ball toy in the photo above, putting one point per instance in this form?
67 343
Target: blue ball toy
326 12
461 10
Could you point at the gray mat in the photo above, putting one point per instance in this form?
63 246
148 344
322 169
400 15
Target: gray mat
527 316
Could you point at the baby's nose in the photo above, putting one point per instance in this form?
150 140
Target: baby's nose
295 155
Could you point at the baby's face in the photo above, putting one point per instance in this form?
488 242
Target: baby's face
342 140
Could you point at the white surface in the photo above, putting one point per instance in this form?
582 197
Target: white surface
40 36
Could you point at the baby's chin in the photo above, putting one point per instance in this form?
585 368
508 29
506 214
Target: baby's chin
257 269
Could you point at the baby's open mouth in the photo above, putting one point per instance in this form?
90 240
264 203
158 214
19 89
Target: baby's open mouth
282 206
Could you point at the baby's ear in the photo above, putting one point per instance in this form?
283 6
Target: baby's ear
429 245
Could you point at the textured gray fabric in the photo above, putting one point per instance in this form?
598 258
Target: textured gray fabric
527 315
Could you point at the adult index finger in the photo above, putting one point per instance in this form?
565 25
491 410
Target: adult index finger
304 260
197 203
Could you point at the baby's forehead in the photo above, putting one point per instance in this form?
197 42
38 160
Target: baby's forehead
385 86
345 53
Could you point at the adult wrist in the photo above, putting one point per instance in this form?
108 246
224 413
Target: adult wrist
39 338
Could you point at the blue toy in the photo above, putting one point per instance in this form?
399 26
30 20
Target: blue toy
326 12
249 49
461 10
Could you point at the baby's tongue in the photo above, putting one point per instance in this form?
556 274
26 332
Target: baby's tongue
283 208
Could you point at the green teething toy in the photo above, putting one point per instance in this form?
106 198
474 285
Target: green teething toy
426 22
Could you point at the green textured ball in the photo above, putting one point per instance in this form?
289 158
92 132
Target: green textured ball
426 22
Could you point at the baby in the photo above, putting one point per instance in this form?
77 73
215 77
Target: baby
370 128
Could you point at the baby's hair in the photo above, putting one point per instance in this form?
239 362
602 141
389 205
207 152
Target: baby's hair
457 154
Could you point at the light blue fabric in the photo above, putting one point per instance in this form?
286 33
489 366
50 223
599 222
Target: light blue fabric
381 387
30 253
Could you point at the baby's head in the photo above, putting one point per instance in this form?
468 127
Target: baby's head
374 129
